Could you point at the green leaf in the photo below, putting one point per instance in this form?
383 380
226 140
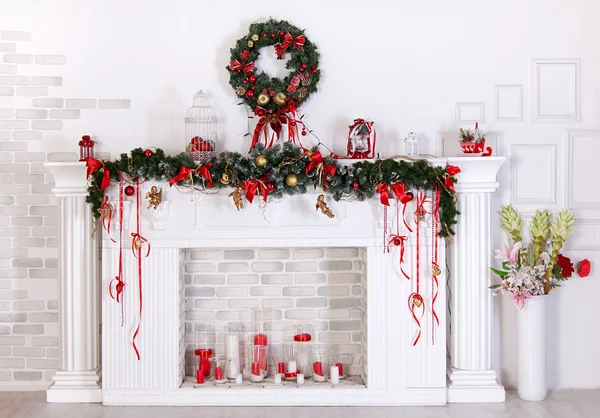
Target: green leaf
495 286
500 273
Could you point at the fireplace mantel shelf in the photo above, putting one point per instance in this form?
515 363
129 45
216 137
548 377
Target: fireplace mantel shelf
398 374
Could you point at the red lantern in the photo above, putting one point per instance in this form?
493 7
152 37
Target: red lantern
86 148
361 139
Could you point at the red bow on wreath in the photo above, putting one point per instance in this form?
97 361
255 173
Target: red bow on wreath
94 165
451 171
288 40
187 172
237 66
323 170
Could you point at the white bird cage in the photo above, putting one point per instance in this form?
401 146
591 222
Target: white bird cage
200 129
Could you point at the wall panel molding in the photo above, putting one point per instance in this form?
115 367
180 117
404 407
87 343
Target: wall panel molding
582 148
469 112
556 89
508 102
533 173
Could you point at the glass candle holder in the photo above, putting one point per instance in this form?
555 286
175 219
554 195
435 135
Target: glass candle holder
302 339
289 358
220 366
258 369
205 347
320 362
343 363
233 340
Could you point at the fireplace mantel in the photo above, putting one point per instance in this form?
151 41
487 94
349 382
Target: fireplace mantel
399 374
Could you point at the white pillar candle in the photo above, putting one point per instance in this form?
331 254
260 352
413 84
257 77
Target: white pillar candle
277 378
232 352
300 379
335 374
291 366
238 379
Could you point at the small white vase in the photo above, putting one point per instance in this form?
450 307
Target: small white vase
531 323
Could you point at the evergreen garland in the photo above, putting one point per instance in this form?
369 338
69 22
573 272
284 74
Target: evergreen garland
282 161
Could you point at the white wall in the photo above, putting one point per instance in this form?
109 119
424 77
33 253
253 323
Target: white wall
404 66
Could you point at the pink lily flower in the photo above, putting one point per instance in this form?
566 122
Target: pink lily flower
508 254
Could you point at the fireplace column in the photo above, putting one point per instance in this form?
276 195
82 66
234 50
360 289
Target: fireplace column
78 376
471 377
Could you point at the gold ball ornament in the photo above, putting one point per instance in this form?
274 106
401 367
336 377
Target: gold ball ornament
261 161
255 37
225 178
279 99
263 99
291 180
250 44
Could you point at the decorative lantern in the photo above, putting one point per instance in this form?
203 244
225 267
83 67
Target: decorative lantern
86 148
361 139
200 129
411 143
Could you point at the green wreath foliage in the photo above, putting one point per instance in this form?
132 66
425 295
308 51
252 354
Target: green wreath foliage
303 62
366 174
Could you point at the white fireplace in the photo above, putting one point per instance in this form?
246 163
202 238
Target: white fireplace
389 369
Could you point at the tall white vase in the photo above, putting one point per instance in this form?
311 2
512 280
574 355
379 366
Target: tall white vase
531 322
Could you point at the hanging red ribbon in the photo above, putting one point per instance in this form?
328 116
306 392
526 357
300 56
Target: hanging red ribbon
118 280
187 173
415 300
137 242
323 170
384 191
94 165
404 197
435 268
251 187
261 128
399 241
237 66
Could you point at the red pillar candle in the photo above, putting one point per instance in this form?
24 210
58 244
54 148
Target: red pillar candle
204 355
339 365
318 368
256 369
218 373
281 368
199 376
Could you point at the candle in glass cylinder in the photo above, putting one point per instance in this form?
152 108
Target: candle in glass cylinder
218 373
335 374
199 376
232 351
300 379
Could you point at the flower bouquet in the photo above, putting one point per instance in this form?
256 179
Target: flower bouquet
472 141
536 269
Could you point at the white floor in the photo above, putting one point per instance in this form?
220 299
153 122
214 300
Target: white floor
562 404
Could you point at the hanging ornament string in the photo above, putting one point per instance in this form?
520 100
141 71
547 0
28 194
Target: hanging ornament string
415 300
398 240
385 227
119 284
435 268
136 248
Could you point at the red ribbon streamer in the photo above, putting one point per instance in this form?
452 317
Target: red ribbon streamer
237 66
316 160
94 165
419 212
399 241
187 172
383 190
120 284
434 282
138 236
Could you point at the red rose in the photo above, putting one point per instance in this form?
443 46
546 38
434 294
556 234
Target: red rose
583 268
566 265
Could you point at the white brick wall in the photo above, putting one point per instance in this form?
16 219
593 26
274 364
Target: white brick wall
31 103
322 287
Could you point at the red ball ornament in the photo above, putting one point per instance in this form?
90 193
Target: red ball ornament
397 242
245 81
303 133
148 153
301 69
355 185
249 94
264 35
315 71
129 190
265 90
306 75
252 78
270 187
272 35
281 33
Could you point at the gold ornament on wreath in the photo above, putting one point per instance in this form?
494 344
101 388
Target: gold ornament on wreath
261 161
323 206
279 99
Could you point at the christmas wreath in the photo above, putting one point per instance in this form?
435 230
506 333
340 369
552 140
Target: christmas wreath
274 100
